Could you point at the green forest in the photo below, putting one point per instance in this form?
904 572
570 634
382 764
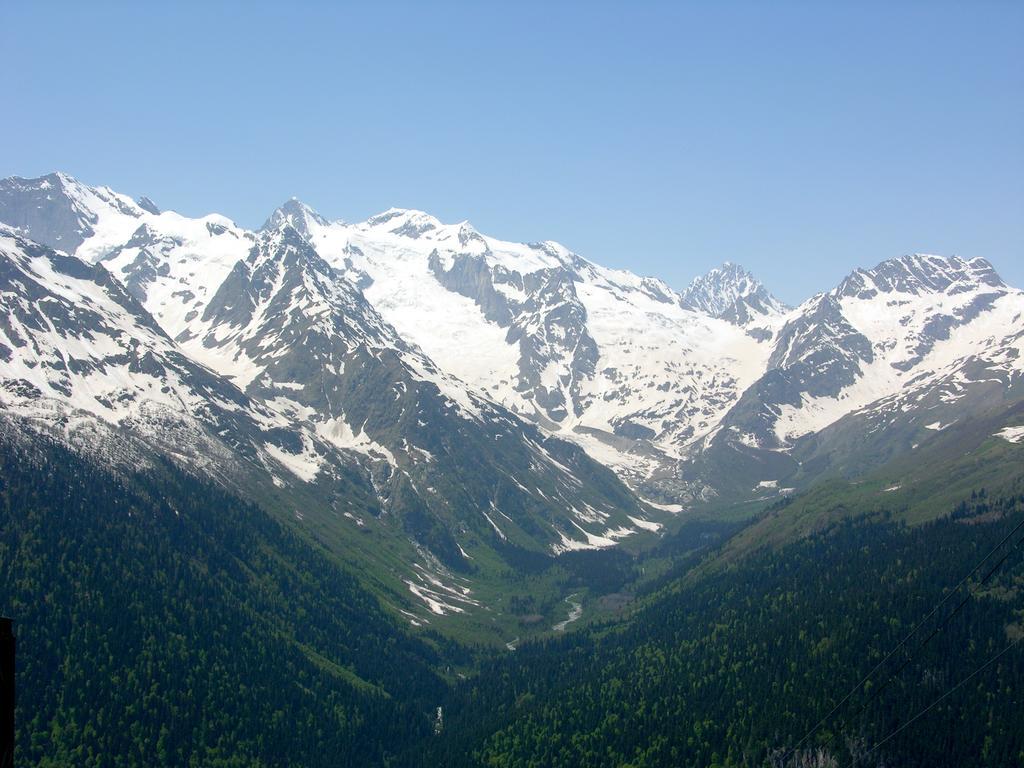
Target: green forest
162 621
734 669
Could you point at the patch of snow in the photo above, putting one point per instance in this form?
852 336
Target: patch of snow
501 534
646 525
338 432
1012 434
304 465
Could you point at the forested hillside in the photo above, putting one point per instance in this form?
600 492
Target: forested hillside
162 622
734 668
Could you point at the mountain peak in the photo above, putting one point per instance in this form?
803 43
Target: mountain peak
921 273
147 205
296 214
61 212
408 222
732 293
58 178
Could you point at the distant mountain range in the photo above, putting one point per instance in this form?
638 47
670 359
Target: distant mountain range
450 405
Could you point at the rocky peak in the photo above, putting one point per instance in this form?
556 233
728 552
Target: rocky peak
921 273
148 205
60 211
297 215
730 292
406 222
284 251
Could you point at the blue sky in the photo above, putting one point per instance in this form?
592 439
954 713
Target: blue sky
799 139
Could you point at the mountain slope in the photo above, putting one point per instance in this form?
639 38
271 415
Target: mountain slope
162 621
911 345
607 359
449 463
731 658
732 669
82 361
336 406
73 341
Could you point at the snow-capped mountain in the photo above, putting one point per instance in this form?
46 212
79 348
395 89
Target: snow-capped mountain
881 330
298 215
916 341
61 212
322 392
711 392
77 351
605 358
298 335
732 293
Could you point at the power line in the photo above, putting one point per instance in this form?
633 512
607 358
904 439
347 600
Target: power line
941 698
937 629
934 632
913 632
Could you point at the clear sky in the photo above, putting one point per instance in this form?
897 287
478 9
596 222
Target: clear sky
798 139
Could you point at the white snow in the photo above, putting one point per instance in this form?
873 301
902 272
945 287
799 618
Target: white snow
673 508
646 525
674 371
338 432
304 465
896 323
1012 434
655 357
439 589
501 534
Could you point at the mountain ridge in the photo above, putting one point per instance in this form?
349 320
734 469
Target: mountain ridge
693 398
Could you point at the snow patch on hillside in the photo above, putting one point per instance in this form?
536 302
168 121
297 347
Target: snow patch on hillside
1012 434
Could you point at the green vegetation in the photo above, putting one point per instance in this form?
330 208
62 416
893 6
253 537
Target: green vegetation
914 489
164 621
733 669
